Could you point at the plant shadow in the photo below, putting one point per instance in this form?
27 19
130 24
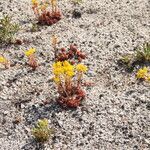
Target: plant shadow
42 110
33 145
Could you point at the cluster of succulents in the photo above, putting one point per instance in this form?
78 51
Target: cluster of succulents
72 54
68 73
44 14
68 79
67 67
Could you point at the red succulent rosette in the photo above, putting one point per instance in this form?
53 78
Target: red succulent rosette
49 18
72 54
72 101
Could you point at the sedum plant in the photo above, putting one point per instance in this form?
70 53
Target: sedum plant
144 54
68 79
32 62
127 61
4 62
143 74
45 15
7 30
42 132
72 54
68 74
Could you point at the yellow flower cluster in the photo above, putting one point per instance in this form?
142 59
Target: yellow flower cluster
43 4
30 52
81 68
68 69
3 60
143 74
58 68
64 69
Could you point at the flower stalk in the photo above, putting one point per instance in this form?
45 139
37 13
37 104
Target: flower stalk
32 62
54 44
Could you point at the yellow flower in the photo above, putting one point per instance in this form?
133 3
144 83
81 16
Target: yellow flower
70 73
34 2
63 68
66 63
57 64
67 66
81 68
30 52
58 69
68 69
142 73
57 79
3 59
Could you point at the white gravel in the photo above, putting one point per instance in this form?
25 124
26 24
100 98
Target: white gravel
116 112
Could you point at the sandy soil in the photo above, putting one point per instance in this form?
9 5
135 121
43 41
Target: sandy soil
116 112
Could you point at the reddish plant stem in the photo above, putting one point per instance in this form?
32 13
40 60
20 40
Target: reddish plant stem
79 76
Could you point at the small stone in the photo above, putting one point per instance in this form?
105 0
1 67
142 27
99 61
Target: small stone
6 112
76 14
101 95
147 141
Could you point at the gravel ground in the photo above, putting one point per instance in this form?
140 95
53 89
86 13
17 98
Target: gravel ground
116 112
